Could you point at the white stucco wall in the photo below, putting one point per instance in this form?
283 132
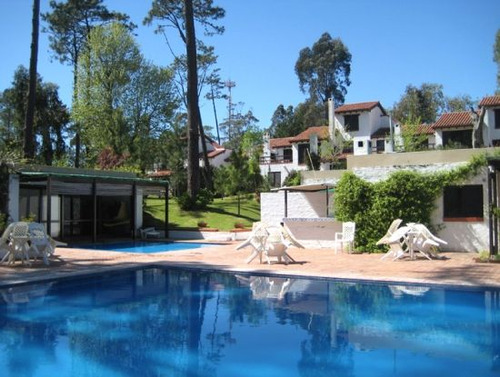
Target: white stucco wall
300 204
284 169
464 236
492 133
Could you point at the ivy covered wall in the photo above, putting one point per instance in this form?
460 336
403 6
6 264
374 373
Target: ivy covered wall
405 194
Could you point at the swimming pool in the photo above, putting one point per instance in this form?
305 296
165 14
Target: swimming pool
144 247
174 322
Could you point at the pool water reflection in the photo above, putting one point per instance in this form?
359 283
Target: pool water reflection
173 322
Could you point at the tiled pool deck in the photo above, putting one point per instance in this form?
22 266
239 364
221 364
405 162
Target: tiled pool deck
449 269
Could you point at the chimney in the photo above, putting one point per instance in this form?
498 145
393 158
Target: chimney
267 145
331 117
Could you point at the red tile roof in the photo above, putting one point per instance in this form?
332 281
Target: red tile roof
281 142
359 107
459 119
215 152
422 129
490 101
321 131
160 173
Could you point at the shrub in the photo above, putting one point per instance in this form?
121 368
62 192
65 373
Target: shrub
204 198
293 179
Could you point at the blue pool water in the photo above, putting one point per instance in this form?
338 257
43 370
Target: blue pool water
143 247
161 322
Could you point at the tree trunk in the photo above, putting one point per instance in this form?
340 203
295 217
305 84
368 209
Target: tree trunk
29 139
76 126
193 173
477 130
206 169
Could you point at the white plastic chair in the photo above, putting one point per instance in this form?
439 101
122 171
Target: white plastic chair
268 241
257 240
41 243
346 237
276 245
18 246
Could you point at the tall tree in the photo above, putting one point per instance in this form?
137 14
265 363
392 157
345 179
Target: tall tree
193 177
236 127
69 25
50 118
496 58
182 15
290 122
206 59
324 70
123 100
29 141
425 103
459 103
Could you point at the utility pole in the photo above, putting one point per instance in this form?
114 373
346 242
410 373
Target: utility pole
230 85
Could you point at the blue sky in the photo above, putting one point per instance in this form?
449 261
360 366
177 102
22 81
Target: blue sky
393 43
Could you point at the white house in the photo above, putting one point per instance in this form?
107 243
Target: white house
217 154
367 124
462 213
281 156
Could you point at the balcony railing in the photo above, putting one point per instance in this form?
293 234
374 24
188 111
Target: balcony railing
274 160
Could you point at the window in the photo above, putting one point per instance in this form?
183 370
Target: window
30 203
274 179
303 151
380 145
463 203
351 122
497 118
457 139
360 144
287 155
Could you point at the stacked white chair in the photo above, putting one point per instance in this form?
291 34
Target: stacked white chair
346 237
18 243
41 244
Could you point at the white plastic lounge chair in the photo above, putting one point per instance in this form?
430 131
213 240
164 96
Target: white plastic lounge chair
289 237
398 243
149 232
41 244
392 228
424 241
346 237
385 239
18 247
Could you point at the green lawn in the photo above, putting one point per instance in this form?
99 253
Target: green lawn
221 214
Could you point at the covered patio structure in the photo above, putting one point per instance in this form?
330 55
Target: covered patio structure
81 204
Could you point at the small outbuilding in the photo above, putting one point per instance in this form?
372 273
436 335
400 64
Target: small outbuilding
81 204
